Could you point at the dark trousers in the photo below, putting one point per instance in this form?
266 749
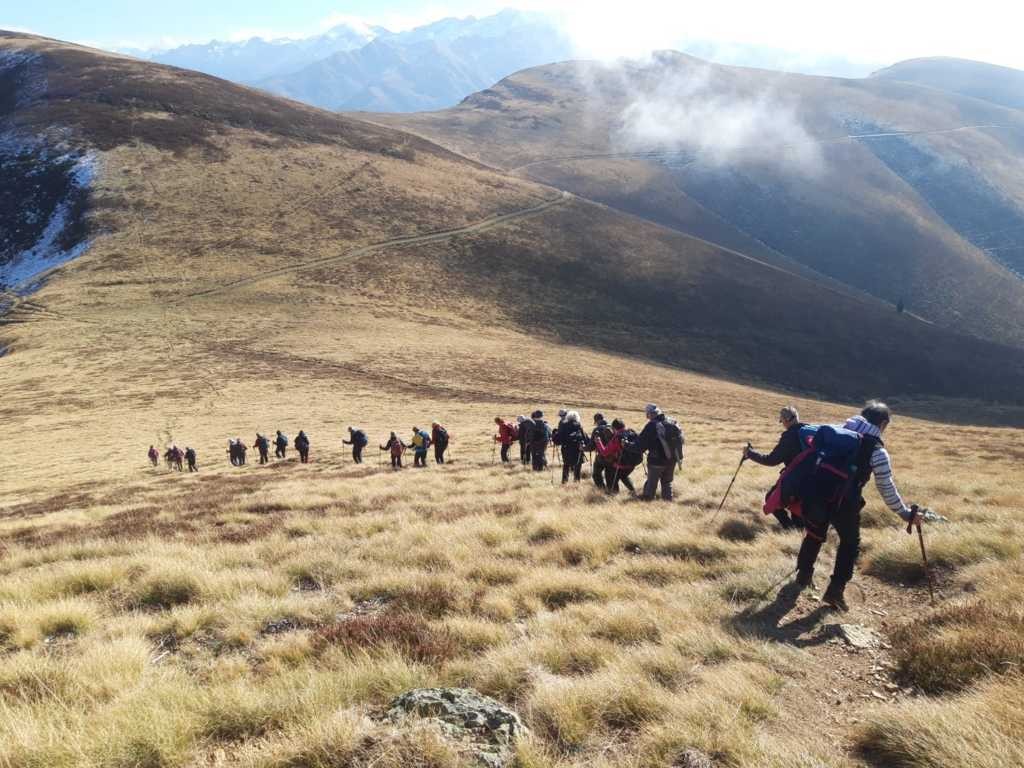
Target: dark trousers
504 453
396 461
439 453
264 455
357 454
279 451
419 459
304 455
658 473
572 462
538 455
192 467
603 472
621 476
846 521
525 452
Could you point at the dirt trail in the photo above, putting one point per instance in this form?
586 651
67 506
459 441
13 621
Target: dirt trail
398 242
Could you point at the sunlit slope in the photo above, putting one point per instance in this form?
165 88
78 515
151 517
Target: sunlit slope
891 188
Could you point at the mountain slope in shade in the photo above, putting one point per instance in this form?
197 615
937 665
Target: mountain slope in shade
999 85
891 188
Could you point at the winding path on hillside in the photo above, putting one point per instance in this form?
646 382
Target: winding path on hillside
397 242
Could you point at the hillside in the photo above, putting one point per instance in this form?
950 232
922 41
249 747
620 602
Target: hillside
889 188
244 263
999 85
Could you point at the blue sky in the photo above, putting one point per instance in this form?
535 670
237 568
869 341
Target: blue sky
870 31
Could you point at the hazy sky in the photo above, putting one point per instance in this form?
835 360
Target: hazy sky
872 31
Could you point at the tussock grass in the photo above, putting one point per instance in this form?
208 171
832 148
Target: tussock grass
948 548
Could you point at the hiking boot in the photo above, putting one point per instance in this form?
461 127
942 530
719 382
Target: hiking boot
805 579
834 599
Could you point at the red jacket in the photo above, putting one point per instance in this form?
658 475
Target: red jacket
506 433
613 450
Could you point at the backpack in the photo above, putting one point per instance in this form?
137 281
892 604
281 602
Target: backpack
630 455
513 432
426 440
442 437
672 440
603 431
540 432
359 438
826 470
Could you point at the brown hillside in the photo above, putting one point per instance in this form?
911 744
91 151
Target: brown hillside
887 187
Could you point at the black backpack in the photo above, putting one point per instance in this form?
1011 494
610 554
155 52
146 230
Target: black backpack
603 431
672 440
540 432
631 453
442 437
359 438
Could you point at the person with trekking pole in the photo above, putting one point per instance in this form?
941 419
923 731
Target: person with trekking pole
662 439
262 445
540 434
829 500
621 454
523 429
154 456
784 452
603 468
280 445
506 437
420 446
396 447
190 457
302 446
358 440
571 438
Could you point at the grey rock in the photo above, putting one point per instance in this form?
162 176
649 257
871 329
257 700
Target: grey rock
477 724
854 635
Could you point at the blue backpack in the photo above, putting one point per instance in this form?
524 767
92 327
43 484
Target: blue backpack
825 470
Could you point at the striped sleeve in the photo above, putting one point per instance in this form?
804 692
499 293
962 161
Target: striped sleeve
881 465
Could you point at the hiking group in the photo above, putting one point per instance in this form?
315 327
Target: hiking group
820 486
619 450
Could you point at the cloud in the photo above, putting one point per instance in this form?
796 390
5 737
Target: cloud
681 106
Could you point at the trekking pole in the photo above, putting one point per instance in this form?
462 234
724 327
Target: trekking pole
924 557
492 452
729 489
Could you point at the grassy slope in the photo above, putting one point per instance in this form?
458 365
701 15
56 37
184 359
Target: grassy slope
856 221
135 605
1000 85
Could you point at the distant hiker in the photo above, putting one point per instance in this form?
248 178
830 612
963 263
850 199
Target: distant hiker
280 445
784 452
176 458
621 455
263 446
602 467
190 457
830 499
439 437
540 434
302 446
397 448
662 440
420 446
169 458
242 450
358 440
154 456
571 438
523 428
507 435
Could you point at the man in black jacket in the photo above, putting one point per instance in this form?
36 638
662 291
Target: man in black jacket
540 434
787 449
655 440
603 470
358 440
571 438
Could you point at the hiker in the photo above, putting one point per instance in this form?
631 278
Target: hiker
280 445
602 467
571 438
662 440
169 458
420 445
190 457
507 435
358 440
176 458
263 446
540 434
439 437
784 452
523 428
302 446
154 455
830 501
397 448
242 450
621 455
